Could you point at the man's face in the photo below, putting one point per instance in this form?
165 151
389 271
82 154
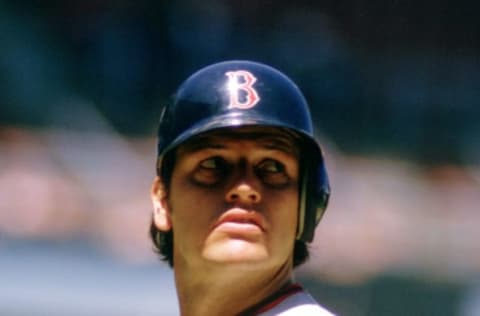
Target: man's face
233 198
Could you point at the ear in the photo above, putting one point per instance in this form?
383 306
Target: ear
161 211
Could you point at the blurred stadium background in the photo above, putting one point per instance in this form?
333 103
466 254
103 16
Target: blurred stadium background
394 90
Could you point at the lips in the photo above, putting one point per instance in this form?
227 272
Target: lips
241 218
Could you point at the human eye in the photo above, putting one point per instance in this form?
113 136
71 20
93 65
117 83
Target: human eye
211 163
272 172
210 171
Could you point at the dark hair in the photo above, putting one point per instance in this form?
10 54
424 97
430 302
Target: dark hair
163 241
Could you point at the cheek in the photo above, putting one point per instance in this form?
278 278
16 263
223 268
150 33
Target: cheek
284 211
191 206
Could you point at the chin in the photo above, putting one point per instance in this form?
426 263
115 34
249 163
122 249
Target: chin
236 251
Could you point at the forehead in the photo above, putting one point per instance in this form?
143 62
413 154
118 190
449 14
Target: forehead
268 137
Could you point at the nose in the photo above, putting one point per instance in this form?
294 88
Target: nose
245 188
243 192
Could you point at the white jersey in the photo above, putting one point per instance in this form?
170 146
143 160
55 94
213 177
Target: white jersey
300 303
290 301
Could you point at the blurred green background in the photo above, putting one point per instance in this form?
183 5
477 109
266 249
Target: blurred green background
395 96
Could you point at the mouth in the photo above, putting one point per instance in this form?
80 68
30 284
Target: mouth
241 220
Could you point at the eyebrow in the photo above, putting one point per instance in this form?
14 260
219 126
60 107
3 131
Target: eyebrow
279 143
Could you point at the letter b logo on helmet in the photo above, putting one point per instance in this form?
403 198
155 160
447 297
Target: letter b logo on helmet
243 93
241 82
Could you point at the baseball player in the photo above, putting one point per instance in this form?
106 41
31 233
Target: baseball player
240 187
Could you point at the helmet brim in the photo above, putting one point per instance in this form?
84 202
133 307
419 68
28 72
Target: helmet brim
232 121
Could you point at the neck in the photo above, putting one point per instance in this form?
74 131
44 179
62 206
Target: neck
226 290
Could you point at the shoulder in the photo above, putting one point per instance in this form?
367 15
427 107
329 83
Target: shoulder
300 303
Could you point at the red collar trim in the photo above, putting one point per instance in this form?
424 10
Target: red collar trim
273 300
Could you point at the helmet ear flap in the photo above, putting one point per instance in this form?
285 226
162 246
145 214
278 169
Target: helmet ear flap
314 195
322 193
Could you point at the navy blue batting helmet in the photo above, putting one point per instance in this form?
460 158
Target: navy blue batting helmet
244 93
